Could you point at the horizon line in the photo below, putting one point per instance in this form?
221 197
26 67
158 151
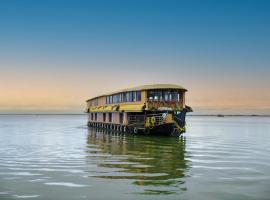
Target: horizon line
194 115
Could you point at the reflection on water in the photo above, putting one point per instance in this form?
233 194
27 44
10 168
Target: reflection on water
146 160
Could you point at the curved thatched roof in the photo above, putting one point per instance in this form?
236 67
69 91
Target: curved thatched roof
145 87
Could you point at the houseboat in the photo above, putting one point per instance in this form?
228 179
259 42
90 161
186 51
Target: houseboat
148 109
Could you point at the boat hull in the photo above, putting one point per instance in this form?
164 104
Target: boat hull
165 129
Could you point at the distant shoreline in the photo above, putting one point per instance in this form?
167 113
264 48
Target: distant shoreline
42 113
228 115
189 115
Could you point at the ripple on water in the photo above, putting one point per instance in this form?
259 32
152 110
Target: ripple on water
66 184
38 180
75 171
25 196
6 192
19 173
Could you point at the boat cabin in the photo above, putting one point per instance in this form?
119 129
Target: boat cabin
134 104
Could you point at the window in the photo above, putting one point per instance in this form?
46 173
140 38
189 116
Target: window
134 96
158 95
92 116
121 97
166 95
138 95
179 97
175 96
104 117
121 118
115 98
110 117
163 95
111 99
124 97
151 95
155 95
95 116
128 97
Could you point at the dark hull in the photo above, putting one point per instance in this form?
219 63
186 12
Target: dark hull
165 129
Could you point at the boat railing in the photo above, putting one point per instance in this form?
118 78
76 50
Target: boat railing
140 119
159 119
136 119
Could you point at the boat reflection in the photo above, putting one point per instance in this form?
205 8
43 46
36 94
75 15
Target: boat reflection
145 160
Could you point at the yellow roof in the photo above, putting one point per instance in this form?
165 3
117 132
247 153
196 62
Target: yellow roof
145 87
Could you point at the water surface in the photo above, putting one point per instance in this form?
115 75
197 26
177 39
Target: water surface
58 157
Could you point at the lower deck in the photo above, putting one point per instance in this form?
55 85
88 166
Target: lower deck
139 122
168 129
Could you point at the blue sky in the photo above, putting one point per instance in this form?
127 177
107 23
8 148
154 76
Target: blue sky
73 50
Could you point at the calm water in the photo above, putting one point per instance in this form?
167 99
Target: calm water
58 157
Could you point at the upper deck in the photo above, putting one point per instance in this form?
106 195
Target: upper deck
148 97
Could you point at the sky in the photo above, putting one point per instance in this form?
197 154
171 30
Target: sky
56 54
